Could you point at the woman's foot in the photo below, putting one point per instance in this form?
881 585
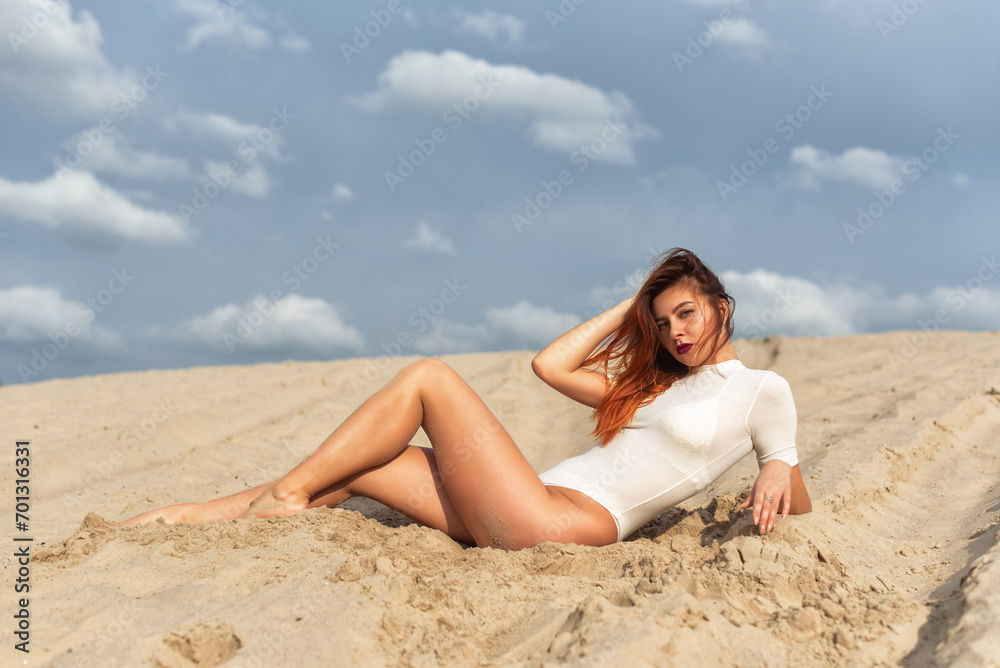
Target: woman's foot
274 503
170 514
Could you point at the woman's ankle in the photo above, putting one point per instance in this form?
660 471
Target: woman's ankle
288 494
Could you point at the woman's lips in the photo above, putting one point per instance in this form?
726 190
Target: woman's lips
684 347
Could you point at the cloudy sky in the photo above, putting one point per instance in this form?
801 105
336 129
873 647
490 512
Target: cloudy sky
191 182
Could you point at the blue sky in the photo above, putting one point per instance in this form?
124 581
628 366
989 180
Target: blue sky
188 182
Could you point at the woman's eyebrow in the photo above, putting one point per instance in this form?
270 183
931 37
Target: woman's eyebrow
676 308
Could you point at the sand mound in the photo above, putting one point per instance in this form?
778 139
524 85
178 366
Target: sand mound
897 565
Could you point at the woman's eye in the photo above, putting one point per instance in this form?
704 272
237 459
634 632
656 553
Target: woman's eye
686 313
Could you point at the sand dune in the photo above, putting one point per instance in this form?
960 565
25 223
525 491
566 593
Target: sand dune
899 442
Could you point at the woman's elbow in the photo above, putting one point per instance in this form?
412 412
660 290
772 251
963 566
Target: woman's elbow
538 367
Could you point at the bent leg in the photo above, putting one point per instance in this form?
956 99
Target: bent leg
495 491
409 483
492 487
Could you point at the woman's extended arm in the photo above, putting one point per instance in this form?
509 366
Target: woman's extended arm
558 364
783 485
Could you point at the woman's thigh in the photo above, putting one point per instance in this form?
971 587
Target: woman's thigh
411 484
492 487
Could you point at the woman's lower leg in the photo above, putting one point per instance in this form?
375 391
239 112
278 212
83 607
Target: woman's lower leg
373 434
224 508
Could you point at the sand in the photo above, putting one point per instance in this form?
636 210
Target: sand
899 564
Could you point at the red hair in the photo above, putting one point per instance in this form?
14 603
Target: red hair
645 368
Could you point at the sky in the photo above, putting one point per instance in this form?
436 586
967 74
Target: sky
216 182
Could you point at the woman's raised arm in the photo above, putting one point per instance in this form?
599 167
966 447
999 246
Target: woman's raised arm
558 364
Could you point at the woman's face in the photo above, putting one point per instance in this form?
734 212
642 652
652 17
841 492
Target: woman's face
686 324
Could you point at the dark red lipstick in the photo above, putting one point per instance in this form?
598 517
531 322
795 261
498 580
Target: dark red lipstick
684 347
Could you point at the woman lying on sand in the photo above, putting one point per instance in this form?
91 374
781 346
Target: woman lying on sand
675 409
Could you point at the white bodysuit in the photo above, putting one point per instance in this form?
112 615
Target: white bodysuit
684 439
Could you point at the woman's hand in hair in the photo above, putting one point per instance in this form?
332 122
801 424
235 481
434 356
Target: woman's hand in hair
559 364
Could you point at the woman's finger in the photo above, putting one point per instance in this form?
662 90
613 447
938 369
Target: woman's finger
767 517
758 506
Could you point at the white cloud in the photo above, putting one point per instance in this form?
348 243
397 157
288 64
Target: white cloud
342 193
865 166
430 240
447 337
517 325
77 200
29 313
223 23
242 138
59 69
294 322
559 114
743 33
769 303
296 43
492 26
252 180
219 22
537 324
115 154
961 180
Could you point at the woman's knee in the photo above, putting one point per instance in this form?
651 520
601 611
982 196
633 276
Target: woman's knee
425 368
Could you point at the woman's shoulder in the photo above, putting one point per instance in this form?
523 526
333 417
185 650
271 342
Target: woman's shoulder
764 382
737 367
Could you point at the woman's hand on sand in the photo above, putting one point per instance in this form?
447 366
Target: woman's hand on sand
772 490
